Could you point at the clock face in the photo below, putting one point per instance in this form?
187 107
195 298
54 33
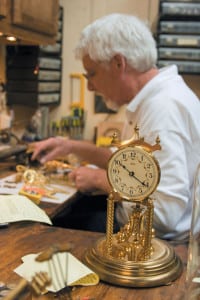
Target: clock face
133 173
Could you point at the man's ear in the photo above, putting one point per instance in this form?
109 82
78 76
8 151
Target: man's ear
118 61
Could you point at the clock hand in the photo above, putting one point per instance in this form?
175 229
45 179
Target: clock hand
125 168
131 173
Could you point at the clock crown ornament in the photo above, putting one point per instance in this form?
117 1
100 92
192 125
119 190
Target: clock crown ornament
136 140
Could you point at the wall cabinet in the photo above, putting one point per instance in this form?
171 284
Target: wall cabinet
3 9
30 21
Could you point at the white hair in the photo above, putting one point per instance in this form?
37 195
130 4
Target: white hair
119 34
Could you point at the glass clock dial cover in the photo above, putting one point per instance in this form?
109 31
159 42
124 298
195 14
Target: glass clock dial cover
133 173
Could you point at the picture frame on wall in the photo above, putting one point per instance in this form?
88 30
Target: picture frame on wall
100 106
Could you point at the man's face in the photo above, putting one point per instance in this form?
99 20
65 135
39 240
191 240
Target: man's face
104 80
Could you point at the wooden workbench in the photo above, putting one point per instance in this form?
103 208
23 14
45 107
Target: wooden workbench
24 238
51 208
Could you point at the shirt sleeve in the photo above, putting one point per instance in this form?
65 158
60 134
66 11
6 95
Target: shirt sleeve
173 192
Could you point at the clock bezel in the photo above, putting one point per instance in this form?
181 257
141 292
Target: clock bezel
156 170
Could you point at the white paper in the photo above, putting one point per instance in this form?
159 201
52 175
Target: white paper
63 269
8 186
16 208
196 279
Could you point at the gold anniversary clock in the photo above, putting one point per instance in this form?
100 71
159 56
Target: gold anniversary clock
133 256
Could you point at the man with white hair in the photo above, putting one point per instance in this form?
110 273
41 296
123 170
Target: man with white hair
119 56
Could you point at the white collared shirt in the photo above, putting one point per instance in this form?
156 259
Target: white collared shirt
167 108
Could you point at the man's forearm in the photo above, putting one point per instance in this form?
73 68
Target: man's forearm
90 153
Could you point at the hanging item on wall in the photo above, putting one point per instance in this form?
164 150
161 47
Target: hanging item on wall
100 105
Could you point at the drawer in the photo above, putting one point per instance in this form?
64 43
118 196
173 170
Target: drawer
179 53
179 40
49 75
49 87
179 27
49 63
51 49
180 9
33 99
183 66
49 98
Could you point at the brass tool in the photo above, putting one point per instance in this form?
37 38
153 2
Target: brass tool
38 285
41 280
56 269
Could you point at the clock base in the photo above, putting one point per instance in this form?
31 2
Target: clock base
162 268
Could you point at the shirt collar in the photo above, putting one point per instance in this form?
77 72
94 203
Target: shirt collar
164 74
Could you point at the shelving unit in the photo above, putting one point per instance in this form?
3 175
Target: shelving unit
178 35
34 73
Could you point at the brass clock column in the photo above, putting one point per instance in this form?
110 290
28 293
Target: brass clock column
133 256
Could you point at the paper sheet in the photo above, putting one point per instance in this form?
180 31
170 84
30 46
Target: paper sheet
17 208
8 186
63 269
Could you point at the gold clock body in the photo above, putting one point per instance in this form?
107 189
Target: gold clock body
133 256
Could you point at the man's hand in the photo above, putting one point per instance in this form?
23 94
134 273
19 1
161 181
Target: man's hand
50 149
89 180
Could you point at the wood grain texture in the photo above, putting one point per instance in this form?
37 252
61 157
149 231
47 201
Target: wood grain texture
24 238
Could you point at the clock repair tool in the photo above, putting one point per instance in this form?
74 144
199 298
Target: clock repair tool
37 286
